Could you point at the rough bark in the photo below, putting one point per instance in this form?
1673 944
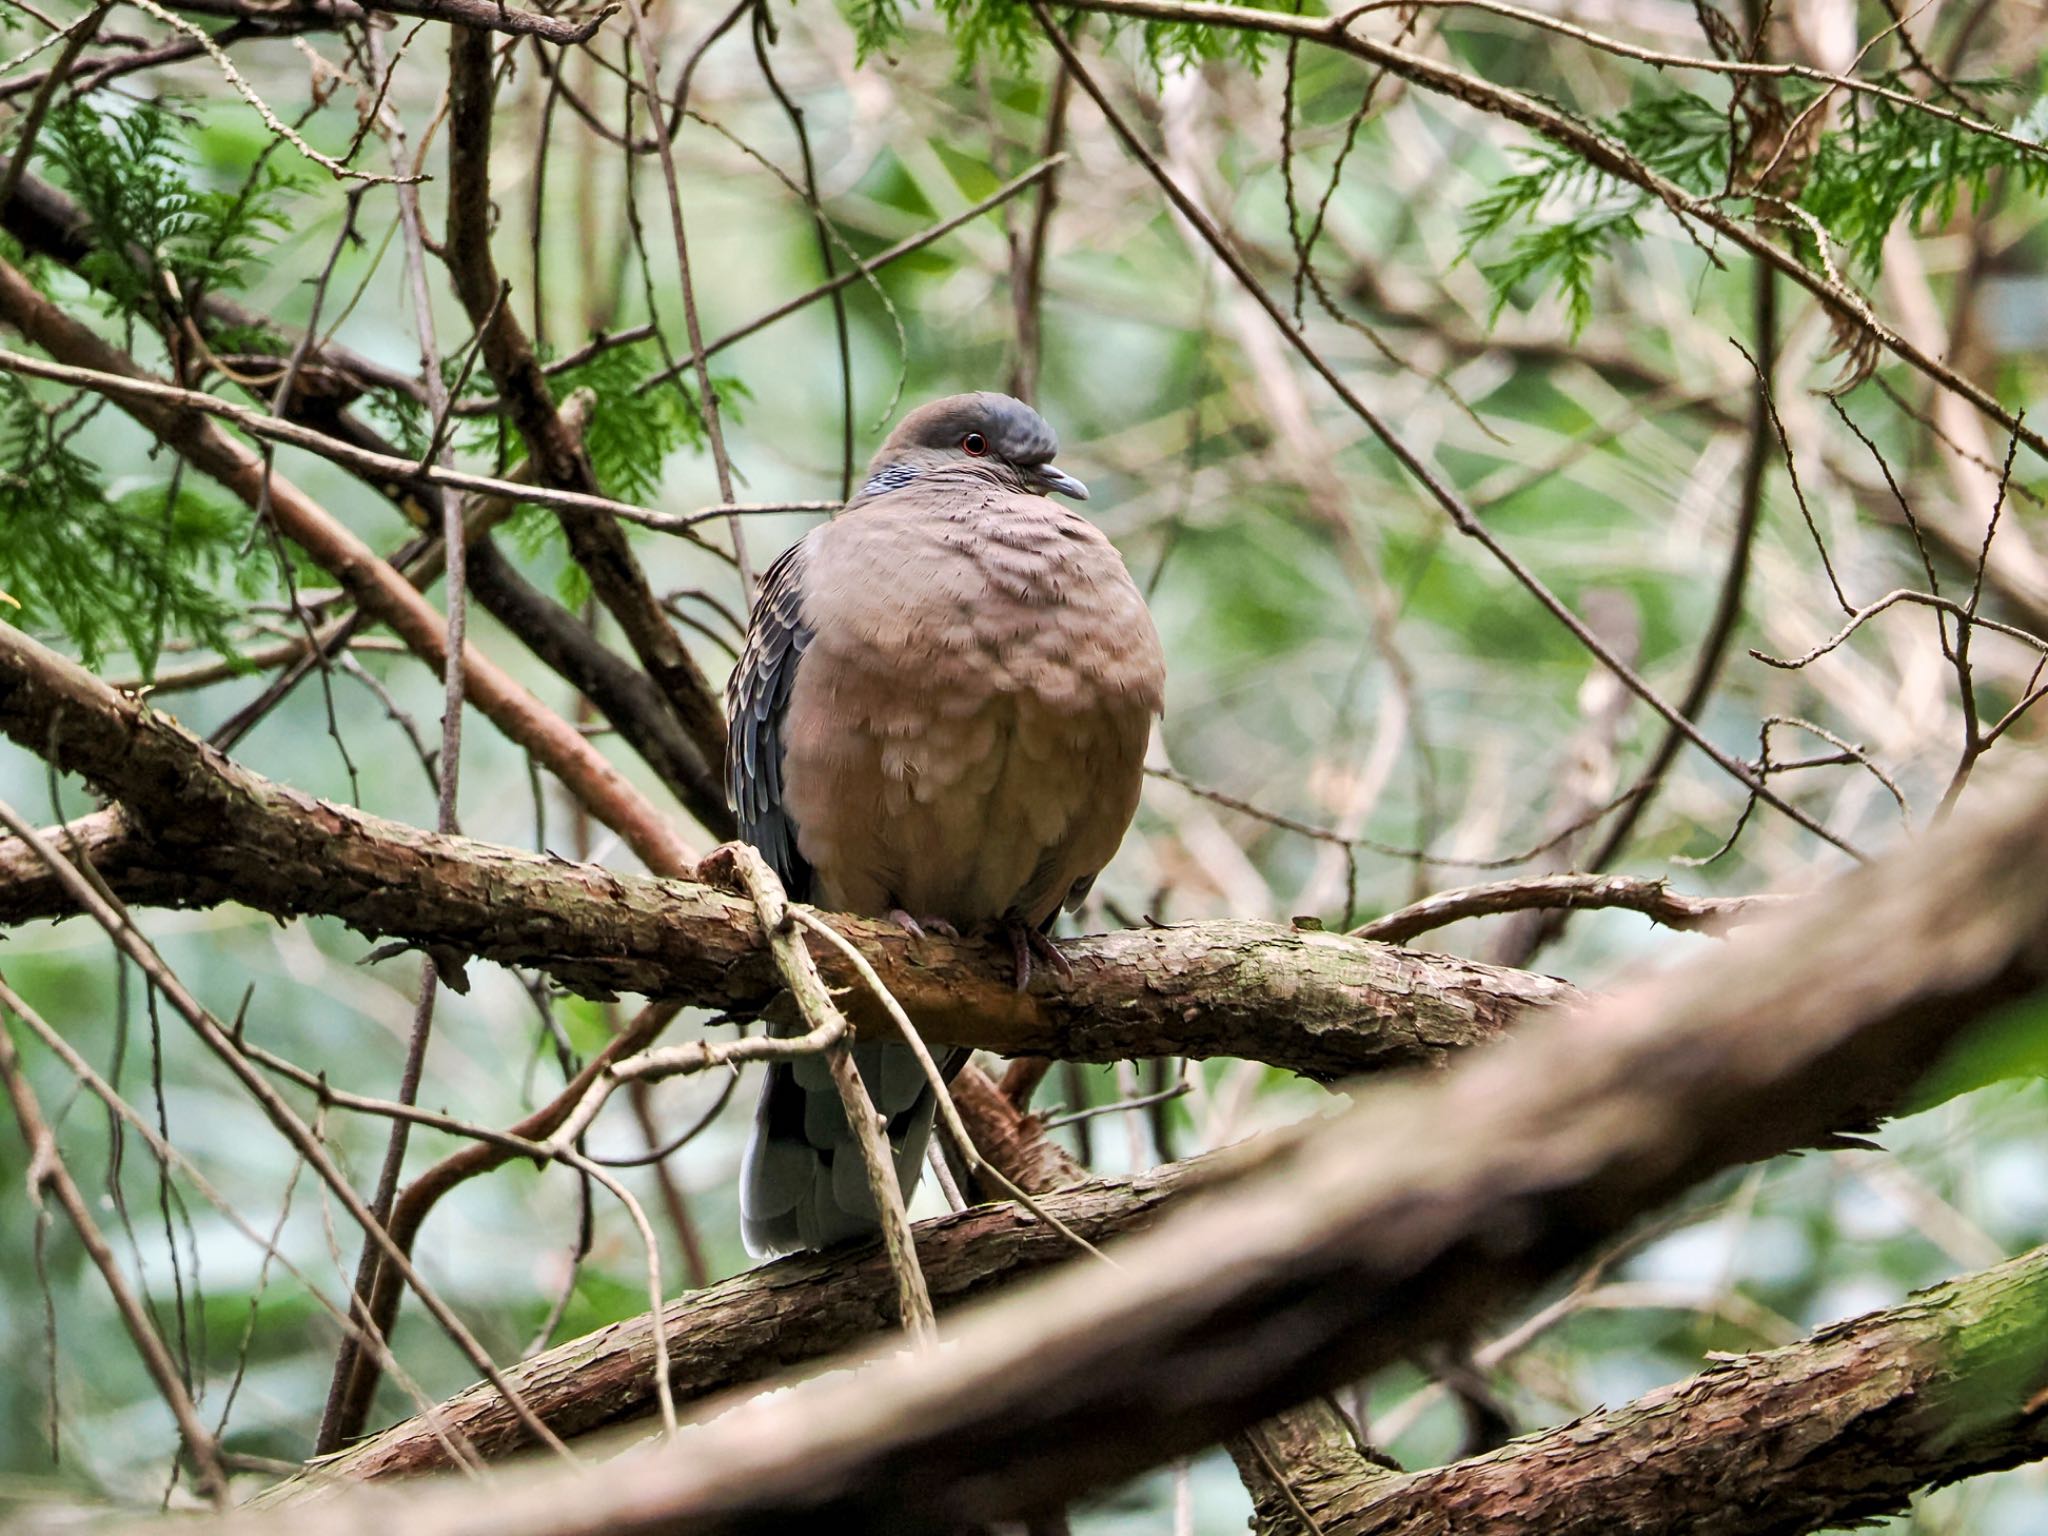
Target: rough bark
1305 1449
198 829
758 1324
1303 1460
1837 1429
1404 1220
1012 1140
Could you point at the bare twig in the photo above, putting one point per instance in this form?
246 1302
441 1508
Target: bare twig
483 14
949 1114
46 1170
217 1039
76 37
596 542
375 586
457 1450
707 392
1740 68
1439 490
247 92
455 543
1653 898
1599 152
829 1026
861 270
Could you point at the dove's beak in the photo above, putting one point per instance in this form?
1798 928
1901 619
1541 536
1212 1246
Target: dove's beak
1049 478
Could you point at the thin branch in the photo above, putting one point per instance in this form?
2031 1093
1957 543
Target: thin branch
1527 111
455 543
596 542
860 271
375 586
483 14
46 1170
1906 595
1653 898
1729 597
707 391
396 469
1439 490
948 1112
459 1454
814 1002
76 38
217 1039
485 1152
1740 68
247 92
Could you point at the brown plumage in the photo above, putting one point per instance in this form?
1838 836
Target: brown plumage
941 713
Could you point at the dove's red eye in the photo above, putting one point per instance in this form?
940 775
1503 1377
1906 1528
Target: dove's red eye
975 444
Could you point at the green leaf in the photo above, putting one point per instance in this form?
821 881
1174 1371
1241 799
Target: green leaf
134 569
1889 162
163 236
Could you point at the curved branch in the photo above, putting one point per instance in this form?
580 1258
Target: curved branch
595 540
1570 893
482 14
1728 600
756 1324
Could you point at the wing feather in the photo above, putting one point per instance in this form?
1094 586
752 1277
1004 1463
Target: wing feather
757 704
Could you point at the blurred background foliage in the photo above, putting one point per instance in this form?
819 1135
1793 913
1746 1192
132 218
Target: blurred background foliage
1341 659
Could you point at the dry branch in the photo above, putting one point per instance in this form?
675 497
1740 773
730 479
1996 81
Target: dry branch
1653 898
316 418
131 388
481 14
1592 146
1404 1220
199 829
48 222
46 1170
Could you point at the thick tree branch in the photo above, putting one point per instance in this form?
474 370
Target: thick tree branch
198 829
1403 1220
759 1323
1308 1445
1838 1429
